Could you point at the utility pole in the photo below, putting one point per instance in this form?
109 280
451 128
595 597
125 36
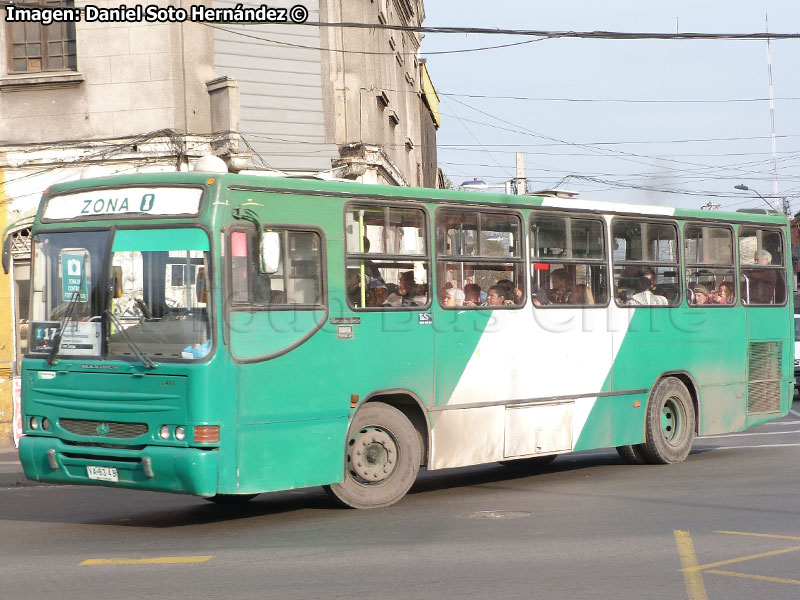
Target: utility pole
520 181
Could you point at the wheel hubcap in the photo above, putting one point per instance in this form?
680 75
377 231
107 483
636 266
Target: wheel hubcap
672 420
371 455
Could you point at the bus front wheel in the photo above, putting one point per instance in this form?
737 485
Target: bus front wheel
382 457
670 423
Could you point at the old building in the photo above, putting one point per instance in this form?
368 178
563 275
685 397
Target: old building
134 95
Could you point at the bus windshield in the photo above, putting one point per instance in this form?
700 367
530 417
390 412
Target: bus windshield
157 293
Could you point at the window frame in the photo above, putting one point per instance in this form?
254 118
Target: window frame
426 258
779 268
731 267
250 229
44 42
604 261
522 259
679 265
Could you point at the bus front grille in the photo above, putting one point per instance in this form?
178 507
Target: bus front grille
764 377
110 429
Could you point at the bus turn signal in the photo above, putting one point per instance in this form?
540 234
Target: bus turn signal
206 434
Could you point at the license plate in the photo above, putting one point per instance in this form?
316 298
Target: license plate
102 473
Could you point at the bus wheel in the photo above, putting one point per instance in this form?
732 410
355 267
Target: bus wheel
632 454
529 463
669 430
382 458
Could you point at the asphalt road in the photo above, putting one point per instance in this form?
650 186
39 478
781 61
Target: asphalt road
724 524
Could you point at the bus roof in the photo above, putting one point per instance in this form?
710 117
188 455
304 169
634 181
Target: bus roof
380 192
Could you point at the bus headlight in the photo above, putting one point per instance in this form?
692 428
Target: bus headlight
45 424
180 433
164 432
34 422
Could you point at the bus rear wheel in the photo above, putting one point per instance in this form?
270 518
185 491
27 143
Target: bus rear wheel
632 454
382 457
670 423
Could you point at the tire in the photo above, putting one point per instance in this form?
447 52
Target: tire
632 454
529 463
382 456
670 423
231 499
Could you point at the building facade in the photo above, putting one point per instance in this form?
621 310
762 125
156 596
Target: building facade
130 96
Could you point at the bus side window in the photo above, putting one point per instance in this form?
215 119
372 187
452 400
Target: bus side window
761 262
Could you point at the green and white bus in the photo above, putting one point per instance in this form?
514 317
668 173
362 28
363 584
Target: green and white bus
225 335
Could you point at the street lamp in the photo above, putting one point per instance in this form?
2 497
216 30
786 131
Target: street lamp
475 184
744 188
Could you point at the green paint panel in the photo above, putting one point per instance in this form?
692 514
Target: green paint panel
154 240
296 454
260 334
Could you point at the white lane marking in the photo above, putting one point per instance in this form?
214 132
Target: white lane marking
709 448
727 435
782 423
795 413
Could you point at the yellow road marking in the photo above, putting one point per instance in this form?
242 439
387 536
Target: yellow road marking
742 559
692 574
766 535
759 577
163 560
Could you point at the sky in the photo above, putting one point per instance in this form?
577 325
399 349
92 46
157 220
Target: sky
666 122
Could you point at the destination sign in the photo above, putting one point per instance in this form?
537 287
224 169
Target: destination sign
131 201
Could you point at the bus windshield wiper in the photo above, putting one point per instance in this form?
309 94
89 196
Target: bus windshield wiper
131 344
51 357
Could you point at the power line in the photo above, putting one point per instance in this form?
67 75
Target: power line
363 52
549 34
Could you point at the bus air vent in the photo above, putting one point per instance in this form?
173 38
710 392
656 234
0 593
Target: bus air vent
764 377
103 428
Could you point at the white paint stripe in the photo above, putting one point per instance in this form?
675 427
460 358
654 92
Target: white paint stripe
727 435
711 448
795 413
771 423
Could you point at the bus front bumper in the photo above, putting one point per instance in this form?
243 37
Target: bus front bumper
153 468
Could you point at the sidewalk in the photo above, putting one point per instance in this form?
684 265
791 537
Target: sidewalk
11 474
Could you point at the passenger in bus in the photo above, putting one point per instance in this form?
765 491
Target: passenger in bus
498 296
561 288
512 292
645 296
725 294
408 292
278 297
761 283
539 295
454 297
699 295
376 295
371 269
581 294
472 294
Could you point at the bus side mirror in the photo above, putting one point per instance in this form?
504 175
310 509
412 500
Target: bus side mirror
116 283
270 252
201 287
